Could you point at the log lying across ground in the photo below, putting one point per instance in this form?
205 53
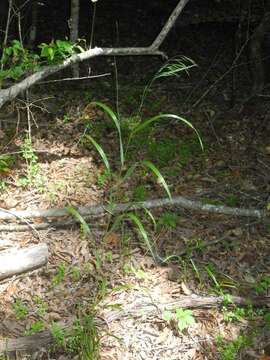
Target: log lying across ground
44 338
16 262
33 342
94 210
148 204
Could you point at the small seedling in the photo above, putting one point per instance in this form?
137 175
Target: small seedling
230 351
75 273
60 275
168 220
5 162
232 200
20 309
31 159
183 317
236 314
42 306
139 193
35 328
267 320
58 335
263 285
85 339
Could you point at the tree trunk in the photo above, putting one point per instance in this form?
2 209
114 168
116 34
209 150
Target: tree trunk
256 54
74 30
33 29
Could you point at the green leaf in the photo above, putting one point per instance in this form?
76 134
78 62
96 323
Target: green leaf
159 117
77 215
142 232
149 213
156 172
174 66
116 122
100 151
185 318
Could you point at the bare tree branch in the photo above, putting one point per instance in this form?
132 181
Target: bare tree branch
12 92
169 24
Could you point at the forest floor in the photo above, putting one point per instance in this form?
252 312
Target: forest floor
106 277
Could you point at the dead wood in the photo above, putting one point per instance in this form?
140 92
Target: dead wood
15 262
191 302
88 211
33 342
44 338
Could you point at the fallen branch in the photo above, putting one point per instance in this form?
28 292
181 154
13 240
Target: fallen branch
12 92
87 211
191 302
15 262
44 338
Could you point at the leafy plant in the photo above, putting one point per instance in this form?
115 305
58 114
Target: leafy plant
60 275
230 351
232 200
58 335
3 185
75 273
42 306
17 61
103 178
183 317
139 193
35 328
236 314
5 162
168 220
124 172
57 51
263 285
84 339
267 320
31 159
20 309
172 68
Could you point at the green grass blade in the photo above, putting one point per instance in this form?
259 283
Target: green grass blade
160 117
174 66
156 172
149 213
129 172
134 218
117 124
85 228
100 151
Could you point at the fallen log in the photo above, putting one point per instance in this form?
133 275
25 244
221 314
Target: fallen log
44 338
95 210
16 262
148 204
33 342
